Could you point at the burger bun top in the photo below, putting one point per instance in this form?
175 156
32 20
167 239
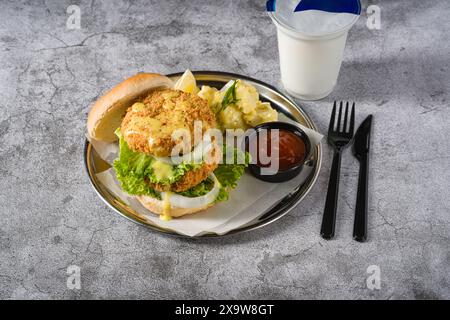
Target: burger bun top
106 113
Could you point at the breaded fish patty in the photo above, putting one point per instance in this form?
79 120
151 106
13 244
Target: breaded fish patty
148 125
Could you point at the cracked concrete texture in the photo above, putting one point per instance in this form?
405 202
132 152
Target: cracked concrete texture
51 218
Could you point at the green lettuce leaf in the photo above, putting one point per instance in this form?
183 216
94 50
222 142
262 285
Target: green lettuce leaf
199 190
130 170
134 168
229 174
223 195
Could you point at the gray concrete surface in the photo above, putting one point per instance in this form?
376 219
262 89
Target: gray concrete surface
51 218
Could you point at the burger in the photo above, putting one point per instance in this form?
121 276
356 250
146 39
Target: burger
167 158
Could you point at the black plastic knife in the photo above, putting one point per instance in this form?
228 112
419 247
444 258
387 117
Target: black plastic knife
361 147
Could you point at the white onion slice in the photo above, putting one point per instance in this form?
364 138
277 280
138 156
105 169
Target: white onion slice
179 201
226 86
195 156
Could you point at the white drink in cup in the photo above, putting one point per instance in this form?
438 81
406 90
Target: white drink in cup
311 46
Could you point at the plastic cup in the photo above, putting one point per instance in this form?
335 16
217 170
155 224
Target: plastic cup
310 63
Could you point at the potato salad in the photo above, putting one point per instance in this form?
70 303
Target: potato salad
237 105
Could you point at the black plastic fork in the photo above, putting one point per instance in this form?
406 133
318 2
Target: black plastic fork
339 137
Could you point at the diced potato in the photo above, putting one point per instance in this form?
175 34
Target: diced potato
247 97
212 96
266 112
231 118
261 114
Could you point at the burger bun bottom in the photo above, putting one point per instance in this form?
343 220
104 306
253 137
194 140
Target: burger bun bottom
157 206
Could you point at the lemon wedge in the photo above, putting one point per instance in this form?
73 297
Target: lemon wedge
187 83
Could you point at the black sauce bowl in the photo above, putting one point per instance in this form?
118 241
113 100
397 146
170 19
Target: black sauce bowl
280 175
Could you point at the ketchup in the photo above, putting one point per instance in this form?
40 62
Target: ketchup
291 149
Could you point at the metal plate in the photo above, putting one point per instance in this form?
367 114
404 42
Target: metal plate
268 93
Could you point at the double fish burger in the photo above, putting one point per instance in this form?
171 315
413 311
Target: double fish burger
171 167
